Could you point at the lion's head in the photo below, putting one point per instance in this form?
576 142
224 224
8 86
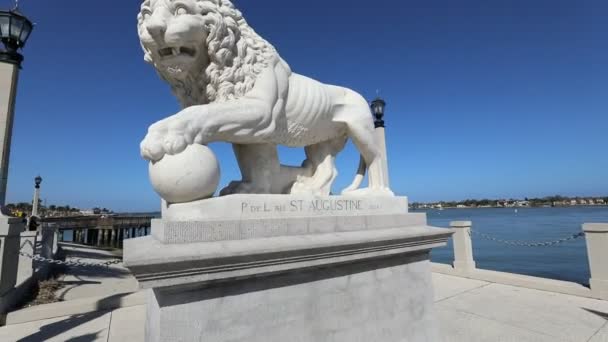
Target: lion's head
203 48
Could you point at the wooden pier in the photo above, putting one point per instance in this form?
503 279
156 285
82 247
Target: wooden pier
100 230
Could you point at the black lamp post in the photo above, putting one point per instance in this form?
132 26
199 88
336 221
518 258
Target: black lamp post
36 201
15 29
378 106
378 110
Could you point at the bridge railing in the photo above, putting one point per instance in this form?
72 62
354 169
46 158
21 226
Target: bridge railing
596 235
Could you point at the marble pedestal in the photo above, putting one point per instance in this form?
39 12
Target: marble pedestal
322 269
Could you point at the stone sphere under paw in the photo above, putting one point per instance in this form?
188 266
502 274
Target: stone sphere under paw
191 175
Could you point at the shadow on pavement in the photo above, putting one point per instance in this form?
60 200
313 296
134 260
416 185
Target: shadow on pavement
97 271
51 330
84 338
90 254
603 315
57 328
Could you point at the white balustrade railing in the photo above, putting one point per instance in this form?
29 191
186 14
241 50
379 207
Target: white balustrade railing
596 236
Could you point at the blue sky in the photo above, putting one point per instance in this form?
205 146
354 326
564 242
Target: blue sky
485 98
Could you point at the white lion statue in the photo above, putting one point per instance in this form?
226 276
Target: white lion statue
234 87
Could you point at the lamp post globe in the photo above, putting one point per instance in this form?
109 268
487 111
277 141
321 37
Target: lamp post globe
15 29
378 110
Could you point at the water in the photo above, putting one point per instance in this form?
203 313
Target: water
567 261
68 235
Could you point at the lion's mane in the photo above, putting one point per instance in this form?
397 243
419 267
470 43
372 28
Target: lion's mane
237 54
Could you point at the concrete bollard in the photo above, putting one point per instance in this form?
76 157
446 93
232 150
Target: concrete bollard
10 228
56 239
27 244
46 242
596 235
463 248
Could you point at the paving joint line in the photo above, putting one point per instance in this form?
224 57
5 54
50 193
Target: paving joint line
109 326
598 331
463 292
509 324
514 325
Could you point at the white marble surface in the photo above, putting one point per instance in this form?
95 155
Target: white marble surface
190 175
155 264
385 300
239 217
242 206
267 285
171 232
236 88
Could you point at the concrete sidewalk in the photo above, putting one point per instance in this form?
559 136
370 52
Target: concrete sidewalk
86 289
474 310
467 310
84 282
98 306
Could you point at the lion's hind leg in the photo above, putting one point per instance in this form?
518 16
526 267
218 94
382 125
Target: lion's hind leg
322 157
259 164
361 130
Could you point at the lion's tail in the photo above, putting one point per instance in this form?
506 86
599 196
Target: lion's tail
358 177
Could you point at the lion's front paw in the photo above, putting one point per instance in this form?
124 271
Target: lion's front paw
152 148
164 139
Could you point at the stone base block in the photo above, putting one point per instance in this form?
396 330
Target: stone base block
334 269
383 299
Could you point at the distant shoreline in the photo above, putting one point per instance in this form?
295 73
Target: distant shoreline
523 207
544 202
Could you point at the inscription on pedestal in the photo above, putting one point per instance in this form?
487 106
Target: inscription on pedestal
310 206
282 206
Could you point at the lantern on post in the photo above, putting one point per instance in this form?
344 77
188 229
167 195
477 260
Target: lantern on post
378 110
377 107
15 29
36 201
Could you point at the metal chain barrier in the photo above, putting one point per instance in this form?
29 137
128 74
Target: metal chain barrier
76 263
527 244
